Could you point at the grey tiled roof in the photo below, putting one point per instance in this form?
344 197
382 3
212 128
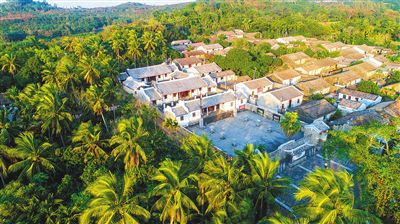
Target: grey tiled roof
152 94
286 93
150 71
181 85
208 68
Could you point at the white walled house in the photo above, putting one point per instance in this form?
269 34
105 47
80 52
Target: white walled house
255 87
178 89
223 77
190 112
281 99
150 95
132 86
206 69
210 48
354 95
148 74
350 106
185 63
316 132
286 77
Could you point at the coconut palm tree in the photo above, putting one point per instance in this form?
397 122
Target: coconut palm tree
88 139
149 43
89 69
114 202
329 199
52 110
33 156
290 123
265 185
96 98
127 141
244 157
6 126
134 51
8 64
173 202
219 184
3 167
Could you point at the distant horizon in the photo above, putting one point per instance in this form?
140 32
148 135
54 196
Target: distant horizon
107 3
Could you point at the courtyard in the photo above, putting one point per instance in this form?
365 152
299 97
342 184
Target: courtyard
246 128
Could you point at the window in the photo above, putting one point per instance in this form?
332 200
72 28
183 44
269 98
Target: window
182 118
175 94
298 100
165 96
194 114
357 99
209 89
231 104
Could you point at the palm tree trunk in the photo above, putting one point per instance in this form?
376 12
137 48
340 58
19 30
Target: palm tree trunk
62 140
104 120
2 180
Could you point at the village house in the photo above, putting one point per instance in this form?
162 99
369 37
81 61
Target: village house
291 39
194 53
365 70
354 95
206 69
196 45
274 43
280 100
179 75
230 35
132 86
316 132
185 63
175 90
365 50
190 112
180 45
348 56
316 86
389 109
357 118
150 95
314 110
344 79
210 48
350 106
336 46
224 51
255 87
286 77
148 74
295 59
224 76
318 67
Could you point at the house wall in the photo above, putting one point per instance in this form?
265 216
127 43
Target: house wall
225 79
270 102
367 102
175 96
347 110
293 81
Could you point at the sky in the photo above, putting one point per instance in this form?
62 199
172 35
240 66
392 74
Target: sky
106 3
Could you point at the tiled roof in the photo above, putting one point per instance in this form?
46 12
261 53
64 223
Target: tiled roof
393 109
350 53
212 46
177 42
179 110
312 110
286 93
343 78
334 45
285 75
258 83
295 56
360 118
150 71
193 53
350 104
181 85
209 101
358 94
188 61
222 74
179 75
363 68
152 94
209 81
208 68
312 86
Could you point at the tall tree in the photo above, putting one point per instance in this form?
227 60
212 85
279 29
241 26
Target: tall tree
329 198
89 69
149 43
33 156
173 202
266 187
88 139
134 50
114 202
290 123
52 111
8 64
128 142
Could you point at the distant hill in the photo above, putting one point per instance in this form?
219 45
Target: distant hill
22 18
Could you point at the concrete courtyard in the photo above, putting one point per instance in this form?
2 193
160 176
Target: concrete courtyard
246 128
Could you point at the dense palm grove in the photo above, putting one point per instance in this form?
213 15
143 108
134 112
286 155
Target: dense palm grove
76 149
